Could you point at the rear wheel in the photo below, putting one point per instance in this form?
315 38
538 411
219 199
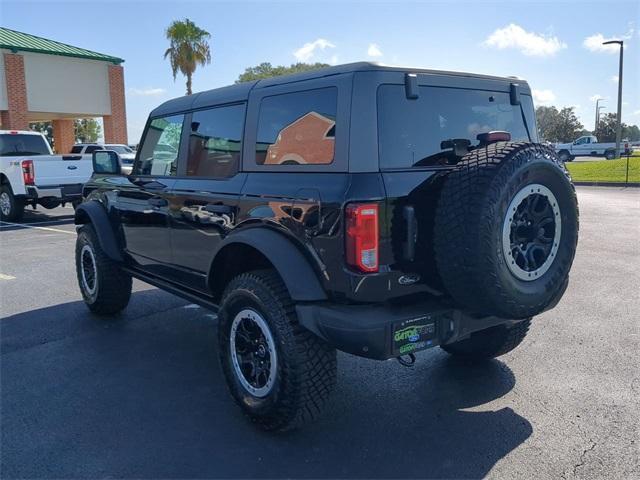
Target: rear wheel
610 154
278 372
489 343
11 207
105 288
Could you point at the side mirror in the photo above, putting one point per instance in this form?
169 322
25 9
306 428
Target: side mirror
106 161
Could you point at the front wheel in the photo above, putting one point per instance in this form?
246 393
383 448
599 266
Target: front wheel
11 207
489 343
278 372
105 288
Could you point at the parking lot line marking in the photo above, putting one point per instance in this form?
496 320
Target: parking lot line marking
25 225
6 277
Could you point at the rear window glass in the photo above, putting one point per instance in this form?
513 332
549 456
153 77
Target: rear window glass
76 149
297 128
16 145
418 132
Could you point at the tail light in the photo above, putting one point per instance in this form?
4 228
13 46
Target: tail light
28 175
362 236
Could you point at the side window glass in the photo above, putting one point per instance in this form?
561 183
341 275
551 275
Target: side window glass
93 148
297 128
76 149
159 152
215 142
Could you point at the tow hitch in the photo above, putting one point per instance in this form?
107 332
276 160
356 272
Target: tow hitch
407 360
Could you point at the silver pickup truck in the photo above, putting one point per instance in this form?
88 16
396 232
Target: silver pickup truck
31 175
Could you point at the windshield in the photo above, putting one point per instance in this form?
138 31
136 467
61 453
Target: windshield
119 148
13 145
441 123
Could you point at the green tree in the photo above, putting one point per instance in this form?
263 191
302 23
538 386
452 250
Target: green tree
87 130
606 131
558 125
266 70
188 48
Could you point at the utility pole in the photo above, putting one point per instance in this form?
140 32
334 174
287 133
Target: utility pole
595 125
619 127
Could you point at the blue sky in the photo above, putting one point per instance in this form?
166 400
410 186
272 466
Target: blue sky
554 45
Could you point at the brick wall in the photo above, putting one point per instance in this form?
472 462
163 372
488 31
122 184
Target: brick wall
15 118
63 135
115 125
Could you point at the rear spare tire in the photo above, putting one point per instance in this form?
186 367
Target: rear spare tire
506 230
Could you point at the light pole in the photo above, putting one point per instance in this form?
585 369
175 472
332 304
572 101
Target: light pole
595 127
619 127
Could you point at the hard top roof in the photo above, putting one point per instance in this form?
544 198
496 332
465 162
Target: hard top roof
240 91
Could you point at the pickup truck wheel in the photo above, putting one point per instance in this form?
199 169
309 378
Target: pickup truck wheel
105 288
489 343
564 156
506 230
609 154
278 372
11 207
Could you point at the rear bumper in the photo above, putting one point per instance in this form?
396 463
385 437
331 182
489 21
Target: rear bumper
61 192
386 331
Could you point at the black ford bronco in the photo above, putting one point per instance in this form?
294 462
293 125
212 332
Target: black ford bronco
375 210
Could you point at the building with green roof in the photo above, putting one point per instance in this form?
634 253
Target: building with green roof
46 80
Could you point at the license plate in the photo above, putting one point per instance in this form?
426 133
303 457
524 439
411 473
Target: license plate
413 335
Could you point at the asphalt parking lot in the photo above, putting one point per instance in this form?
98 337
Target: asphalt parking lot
143 396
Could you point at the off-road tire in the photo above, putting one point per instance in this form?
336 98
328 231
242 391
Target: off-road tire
112 285
489 343
16 205
306 366
468 233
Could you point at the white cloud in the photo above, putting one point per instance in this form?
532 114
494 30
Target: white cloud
529 43
374 50
307 51
594 43
615 78
146 92
543 97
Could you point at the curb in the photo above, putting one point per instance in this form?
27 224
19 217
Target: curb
607 184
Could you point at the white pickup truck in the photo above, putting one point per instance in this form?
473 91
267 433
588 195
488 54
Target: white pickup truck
589 146
31 175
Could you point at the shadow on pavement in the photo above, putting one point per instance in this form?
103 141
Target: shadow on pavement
39 218
143 397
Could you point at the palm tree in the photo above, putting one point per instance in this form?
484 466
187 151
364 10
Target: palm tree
188 48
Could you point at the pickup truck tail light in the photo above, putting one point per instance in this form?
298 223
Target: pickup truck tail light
362 236
28 175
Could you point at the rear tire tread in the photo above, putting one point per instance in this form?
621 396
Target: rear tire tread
308 365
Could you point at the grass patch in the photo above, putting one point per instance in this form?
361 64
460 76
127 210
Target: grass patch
605 170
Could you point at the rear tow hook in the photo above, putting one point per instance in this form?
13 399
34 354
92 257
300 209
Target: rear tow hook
407 360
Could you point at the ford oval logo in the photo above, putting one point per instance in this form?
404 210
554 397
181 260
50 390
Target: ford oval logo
71 167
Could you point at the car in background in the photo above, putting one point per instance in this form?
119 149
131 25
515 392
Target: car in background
127 154
30 174
588 145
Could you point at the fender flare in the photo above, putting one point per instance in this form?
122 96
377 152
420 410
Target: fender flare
94 213
295 270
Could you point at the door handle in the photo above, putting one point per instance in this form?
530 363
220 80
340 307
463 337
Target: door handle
158 202
218 208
